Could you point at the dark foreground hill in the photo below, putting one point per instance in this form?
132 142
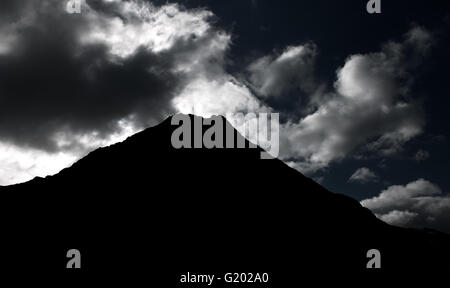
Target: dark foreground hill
145 208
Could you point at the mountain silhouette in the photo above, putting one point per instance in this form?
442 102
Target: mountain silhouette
143 206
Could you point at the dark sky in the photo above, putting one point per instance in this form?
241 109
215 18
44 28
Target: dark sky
362 97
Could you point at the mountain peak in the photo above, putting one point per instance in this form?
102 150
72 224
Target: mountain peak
209 198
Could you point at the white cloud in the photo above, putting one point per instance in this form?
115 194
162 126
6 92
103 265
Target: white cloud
398 218
363 175
398 196
19 165
218 96
194 51
273 76
6 42
142 24
418 204
370 102
208 89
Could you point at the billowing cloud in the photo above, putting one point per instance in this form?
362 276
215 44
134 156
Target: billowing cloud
83 73
371 107
19 165
418 204
220 96
72 82
399 218
363 175
290 71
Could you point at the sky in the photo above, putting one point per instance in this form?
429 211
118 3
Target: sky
362 97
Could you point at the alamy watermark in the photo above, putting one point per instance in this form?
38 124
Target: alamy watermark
74 6
219 133
374 6
74 256
375 259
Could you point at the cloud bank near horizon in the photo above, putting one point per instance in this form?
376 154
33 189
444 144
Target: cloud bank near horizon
419 204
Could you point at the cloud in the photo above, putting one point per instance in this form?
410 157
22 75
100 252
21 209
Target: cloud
421 155
370 109
363 175
84 73
418 204
398 218
72 82
222 95
19 165
274 76
143 25
286 81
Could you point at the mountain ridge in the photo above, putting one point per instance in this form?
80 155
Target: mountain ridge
227 202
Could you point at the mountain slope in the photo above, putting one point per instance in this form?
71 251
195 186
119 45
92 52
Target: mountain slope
142 204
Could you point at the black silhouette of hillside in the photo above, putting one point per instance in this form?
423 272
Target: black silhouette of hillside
145 208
